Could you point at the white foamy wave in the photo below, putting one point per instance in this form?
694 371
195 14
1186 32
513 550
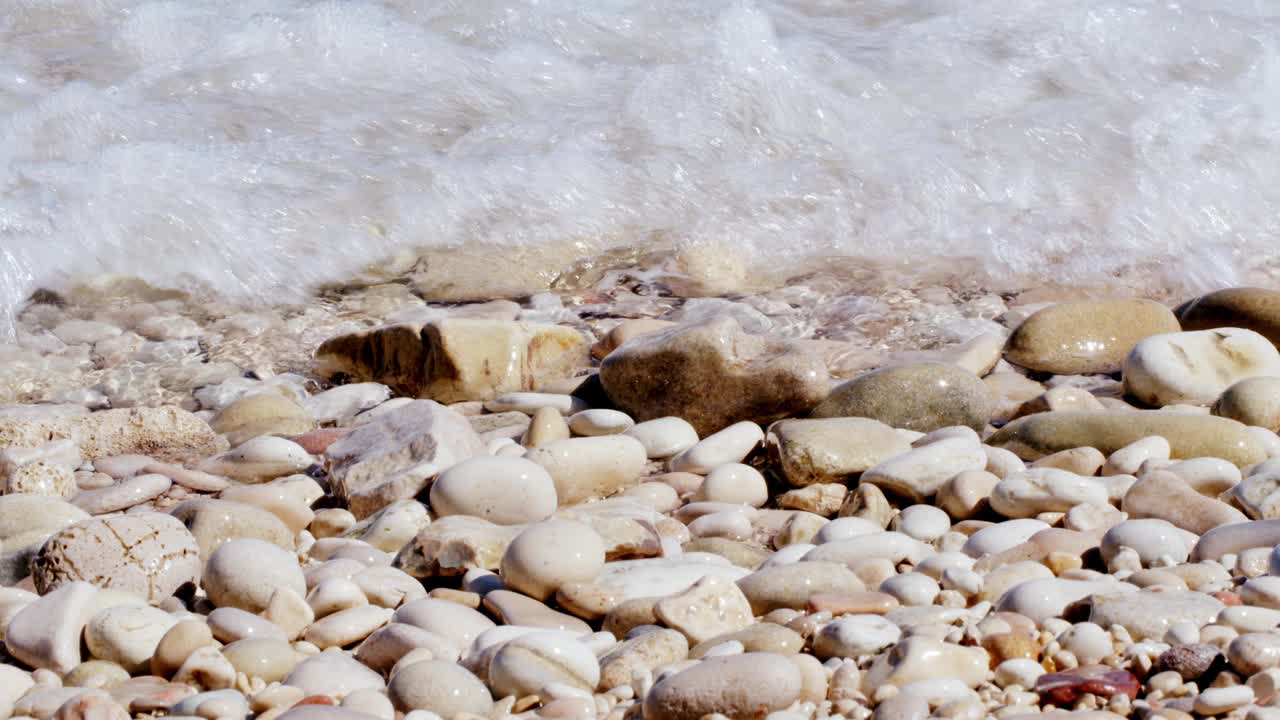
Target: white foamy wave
260 147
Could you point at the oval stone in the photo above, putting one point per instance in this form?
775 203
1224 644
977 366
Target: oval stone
1092 337
502 490
1189 436
738 687
921 397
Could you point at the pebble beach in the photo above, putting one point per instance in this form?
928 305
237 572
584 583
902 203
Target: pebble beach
618 504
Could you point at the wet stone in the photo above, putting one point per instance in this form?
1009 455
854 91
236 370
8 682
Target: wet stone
1065 688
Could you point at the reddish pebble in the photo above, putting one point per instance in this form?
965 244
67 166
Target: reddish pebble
316 700
1065 688
1227 597
317 441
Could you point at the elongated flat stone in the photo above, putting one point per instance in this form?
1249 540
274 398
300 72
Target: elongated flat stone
1189 436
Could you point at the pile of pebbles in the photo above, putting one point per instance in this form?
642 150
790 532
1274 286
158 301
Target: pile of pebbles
490 518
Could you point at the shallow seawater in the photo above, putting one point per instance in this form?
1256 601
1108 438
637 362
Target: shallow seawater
262 148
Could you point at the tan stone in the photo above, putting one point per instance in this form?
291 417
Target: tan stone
919 396
1252 401
452 545
738 687
453 360
265 413
646 652
1255 309
1090 337
978 354
1189 436
1061 398
713 606
832 449
177 645
395 455
1161 494
213 522
623 332
761 637
853 603
669 372
791 586
546 426
1010 392
742 554
822 499
454 275
1081 461
630 614
868 502
516 609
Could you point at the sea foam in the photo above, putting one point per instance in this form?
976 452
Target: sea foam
263 146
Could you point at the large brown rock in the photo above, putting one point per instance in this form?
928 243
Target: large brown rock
394 456
919 396
1255 309
1077 338
1189 436
164 433
713 374
457 359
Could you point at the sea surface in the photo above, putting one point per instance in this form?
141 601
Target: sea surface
255 151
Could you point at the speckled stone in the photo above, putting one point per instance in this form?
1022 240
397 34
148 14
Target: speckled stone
921 397
149 554
165 433
1091 337
1192 661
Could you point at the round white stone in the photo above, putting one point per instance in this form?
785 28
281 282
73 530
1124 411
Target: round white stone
735 483
600 422
243 573
550 554
664 437
924 522
502 490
